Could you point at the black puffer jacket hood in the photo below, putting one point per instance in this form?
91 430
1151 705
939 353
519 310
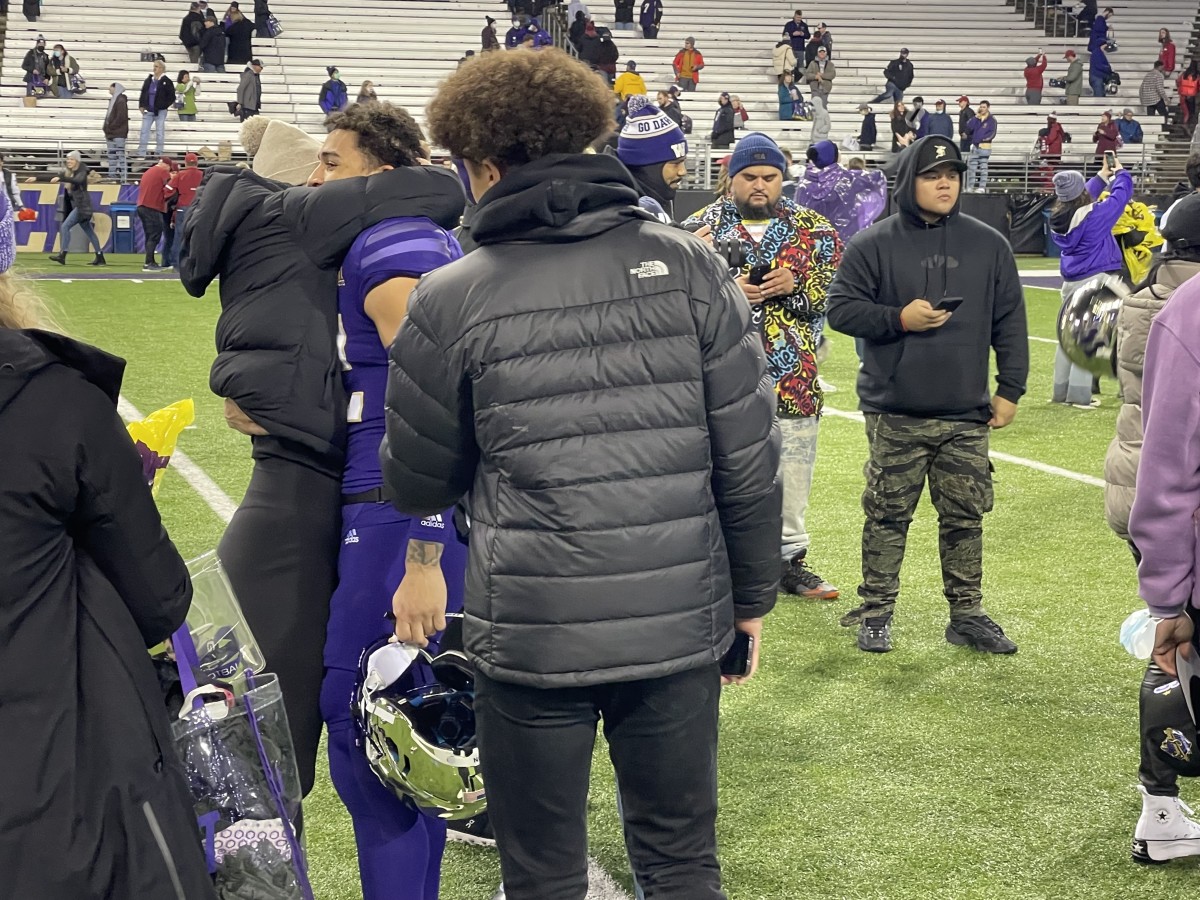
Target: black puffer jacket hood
277 251
24 353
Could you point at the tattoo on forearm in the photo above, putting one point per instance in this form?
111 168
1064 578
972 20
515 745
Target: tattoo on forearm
424 553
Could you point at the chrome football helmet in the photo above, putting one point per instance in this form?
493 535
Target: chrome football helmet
1087 323
416 717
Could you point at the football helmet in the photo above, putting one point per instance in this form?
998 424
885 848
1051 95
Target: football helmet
1087 323
415 711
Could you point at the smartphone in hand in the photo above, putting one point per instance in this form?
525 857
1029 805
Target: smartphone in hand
1110 159
736 661
948 304
757 274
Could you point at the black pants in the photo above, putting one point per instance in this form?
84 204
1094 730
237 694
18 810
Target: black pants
152 228
537 755
280 552
168 235
1157 713
247 113
1158 109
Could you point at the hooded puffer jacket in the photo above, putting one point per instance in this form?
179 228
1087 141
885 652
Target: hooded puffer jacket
277 252
613 424
1133 327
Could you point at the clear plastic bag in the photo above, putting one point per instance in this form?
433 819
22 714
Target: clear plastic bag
225 647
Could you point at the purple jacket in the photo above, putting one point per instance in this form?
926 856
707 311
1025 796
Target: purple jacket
981 131
1090 248
1166 508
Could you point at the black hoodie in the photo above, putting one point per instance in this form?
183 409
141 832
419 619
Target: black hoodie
277 252
592 378
941 373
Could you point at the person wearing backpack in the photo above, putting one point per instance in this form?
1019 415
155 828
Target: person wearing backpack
190 30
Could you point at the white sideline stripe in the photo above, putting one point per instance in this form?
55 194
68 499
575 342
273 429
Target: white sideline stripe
995 454
1042 340
600 884
210 492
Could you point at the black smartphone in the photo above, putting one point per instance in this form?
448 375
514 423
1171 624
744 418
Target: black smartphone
1110 159
758 273
948 304
736 661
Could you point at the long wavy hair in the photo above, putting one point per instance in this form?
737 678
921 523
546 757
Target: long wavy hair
21 306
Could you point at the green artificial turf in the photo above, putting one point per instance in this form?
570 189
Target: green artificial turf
930 772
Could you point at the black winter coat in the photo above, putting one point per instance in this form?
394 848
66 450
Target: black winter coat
723 127
240 36
75 192
277 252
164 97
95 805
190 29
212 46
614 426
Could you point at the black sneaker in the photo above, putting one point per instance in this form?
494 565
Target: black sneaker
979 633
476 830
801 581
875 634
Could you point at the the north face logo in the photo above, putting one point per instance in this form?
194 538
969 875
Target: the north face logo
650 269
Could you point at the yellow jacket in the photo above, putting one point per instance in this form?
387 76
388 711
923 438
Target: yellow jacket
629 83
1138 217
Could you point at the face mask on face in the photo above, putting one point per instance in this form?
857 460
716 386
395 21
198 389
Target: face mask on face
57 54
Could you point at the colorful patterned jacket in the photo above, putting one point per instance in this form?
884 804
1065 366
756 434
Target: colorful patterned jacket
809 245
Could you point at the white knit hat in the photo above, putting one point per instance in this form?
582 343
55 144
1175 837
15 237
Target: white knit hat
281 152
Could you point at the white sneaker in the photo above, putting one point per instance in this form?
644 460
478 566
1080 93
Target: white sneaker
1164 831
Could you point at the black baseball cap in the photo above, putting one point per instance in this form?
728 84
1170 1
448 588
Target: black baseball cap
937 151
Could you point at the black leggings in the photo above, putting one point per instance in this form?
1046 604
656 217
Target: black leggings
280 551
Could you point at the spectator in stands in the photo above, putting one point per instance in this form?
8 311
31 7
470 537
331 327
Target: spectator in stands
1099 70
783 60
262 19
982 131
1074 78
240 33
740 116
629 82
488 38
654 150
32 9
1085 16
623 14
1081 224
212 46
1129 128
77 208
650 18
868 133
1051 140
819 75
1098 39
802 251
541 37
902 132
939 122
152 209
791 101
796 33
965 115
59 70
916 116
724 123
575 34
608 55
366 93
187 89
899 75
157 96
1189 86
687 65
1166 55
116 132
182 187
249 92
1106 137
37 60
1035 66
333 97
668 103
919 424
820 38
190 30
514 35
1153 92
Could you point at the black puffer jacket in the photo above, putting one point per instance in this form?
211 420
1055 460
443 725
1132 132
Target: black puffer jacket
95 804
592 378
75 192
277 251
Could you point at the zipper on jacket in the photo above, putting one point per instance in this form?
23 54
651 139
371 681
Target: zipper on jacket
161 840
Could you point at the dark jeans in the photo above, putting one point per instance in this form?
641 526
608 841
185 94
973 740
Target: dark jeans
280 552
662 737
152 229
248 113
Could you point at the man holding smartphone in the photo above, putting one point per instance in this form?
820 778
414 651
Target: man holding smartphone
932 292
788 256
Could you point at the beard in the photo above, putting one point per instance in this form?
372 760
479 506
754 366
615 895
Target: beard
754 210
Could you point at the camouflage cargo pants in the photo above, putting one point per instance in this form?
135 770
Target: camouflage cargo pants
953 456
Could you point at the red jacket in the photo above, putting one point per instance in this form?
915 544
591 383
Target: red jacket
1167 56
1053 140
184 183
1033 74
152 191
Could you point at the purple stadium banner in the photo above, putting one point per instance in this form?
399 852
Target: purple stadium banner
42 236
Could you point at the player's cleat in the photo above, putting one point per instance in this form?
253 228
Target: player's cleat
979 633
801 581
476 830
875 634
1165 830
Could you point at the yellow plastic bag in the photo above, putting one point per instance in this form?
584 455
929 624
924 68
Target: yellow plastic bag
155 438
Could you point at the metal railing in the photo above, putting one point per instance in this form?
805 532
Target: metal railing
1051 16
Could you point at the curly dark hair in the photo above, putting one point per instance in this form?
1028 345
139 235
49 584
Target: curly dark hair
512 108
387 134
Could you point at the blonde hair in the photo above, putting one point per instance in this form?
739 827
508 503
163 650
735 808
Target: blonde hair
724 183
21 306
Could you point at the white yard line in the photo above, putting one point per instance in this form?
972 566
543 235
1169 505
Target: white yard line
1042 340
997 455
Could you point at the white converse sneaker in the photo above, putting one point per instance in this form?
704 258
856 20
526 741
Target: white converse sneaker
1164 831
